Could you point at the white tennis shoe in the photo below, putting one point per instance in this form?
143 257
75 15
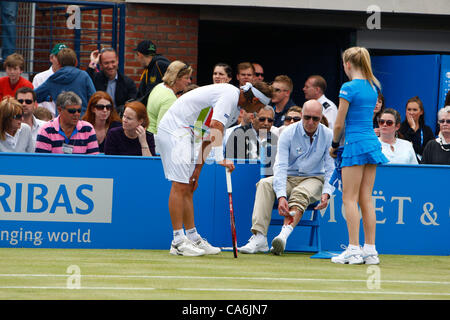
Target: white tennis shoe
205 246
186 248
349 256
256 243
370 257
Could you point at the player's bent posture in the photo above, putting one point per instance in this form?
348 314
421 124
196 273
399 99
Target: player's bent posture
199 115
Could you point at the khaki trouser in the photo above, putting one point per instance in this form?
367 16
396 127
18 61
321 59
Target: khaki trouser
301 191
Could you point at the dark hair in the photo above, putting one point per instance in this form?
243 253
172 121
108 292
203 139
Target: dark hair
447 99
378 114
67 57
226 68
262 86
319 82
417 100
397 118
25 90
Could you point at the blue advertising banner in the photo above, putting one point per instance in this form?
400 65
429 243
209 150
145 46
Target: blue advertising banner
79 201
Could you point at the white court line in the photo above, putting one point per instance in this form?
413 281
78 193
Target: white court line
222 278
318 291
233 290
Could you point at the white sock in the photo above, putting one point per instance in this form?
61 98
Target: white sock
192 234
178 235
286 231
353 247
369 248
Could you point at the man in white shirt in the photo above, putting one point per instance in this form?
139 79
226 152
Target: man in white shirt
41 77
315 87
180 126
27 98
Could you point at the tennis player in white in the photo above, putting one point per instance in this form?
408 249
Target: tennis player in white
188 130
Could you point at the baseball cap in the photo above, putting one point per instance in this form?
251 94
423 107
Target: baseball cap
146 47
57 48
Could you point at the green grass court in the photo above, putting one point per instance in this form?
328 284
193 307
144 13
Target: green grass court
152 274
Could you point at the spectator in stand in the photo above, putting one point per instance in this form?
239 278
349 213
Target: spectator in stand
395 149
175 81
27 98
67 78
14 65
155 67
41 77
281 100
315 87
245 73
67 133
15 136
102 115
132 138
259 72
43 114
293 115
437 151
244 142
222 73
379 108
120 87
414 129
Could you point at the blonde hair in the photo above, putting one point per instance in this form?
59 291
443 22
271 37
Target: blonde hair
175 70
9 108
359 57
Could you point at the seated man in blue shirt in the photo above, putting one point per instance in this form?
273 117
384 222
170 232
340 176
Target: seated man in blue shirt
302 170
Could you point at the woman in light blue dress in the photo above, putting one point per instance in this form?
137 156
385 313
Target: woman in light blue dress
361 155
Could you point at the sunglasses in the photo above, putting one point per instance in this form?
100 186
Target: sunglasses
442 121
289 119
388 122
259 74
18 116
103 106
262 119
27 101
73 110
315 119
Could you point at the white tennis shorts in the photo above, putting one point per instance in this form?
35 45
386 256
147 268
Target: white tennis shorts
177 154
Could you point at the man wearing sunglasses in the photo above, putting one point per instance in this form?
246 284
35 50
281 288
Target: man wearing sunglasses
120 87
245 141
302 169
281 100
27 98
67 133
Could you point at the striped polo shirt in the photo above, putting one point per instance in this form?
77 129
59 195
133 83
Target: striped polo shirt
51 138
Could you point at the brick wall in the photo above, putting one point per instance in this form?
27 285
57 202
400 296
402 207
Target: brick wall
173 29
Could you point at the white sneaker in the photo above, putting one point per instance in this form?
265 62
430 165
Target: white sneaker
205 246
255 244
278 245
349 256
370 257
186 248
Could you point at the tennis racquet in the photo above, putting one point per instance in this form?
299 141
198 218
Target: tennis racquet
233 226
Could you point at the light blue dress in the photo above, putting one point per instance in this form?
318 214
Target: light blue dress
361 143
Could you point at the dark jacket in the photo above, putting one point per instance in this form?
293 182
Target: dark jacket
125 87
278 120
151 76
419 138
